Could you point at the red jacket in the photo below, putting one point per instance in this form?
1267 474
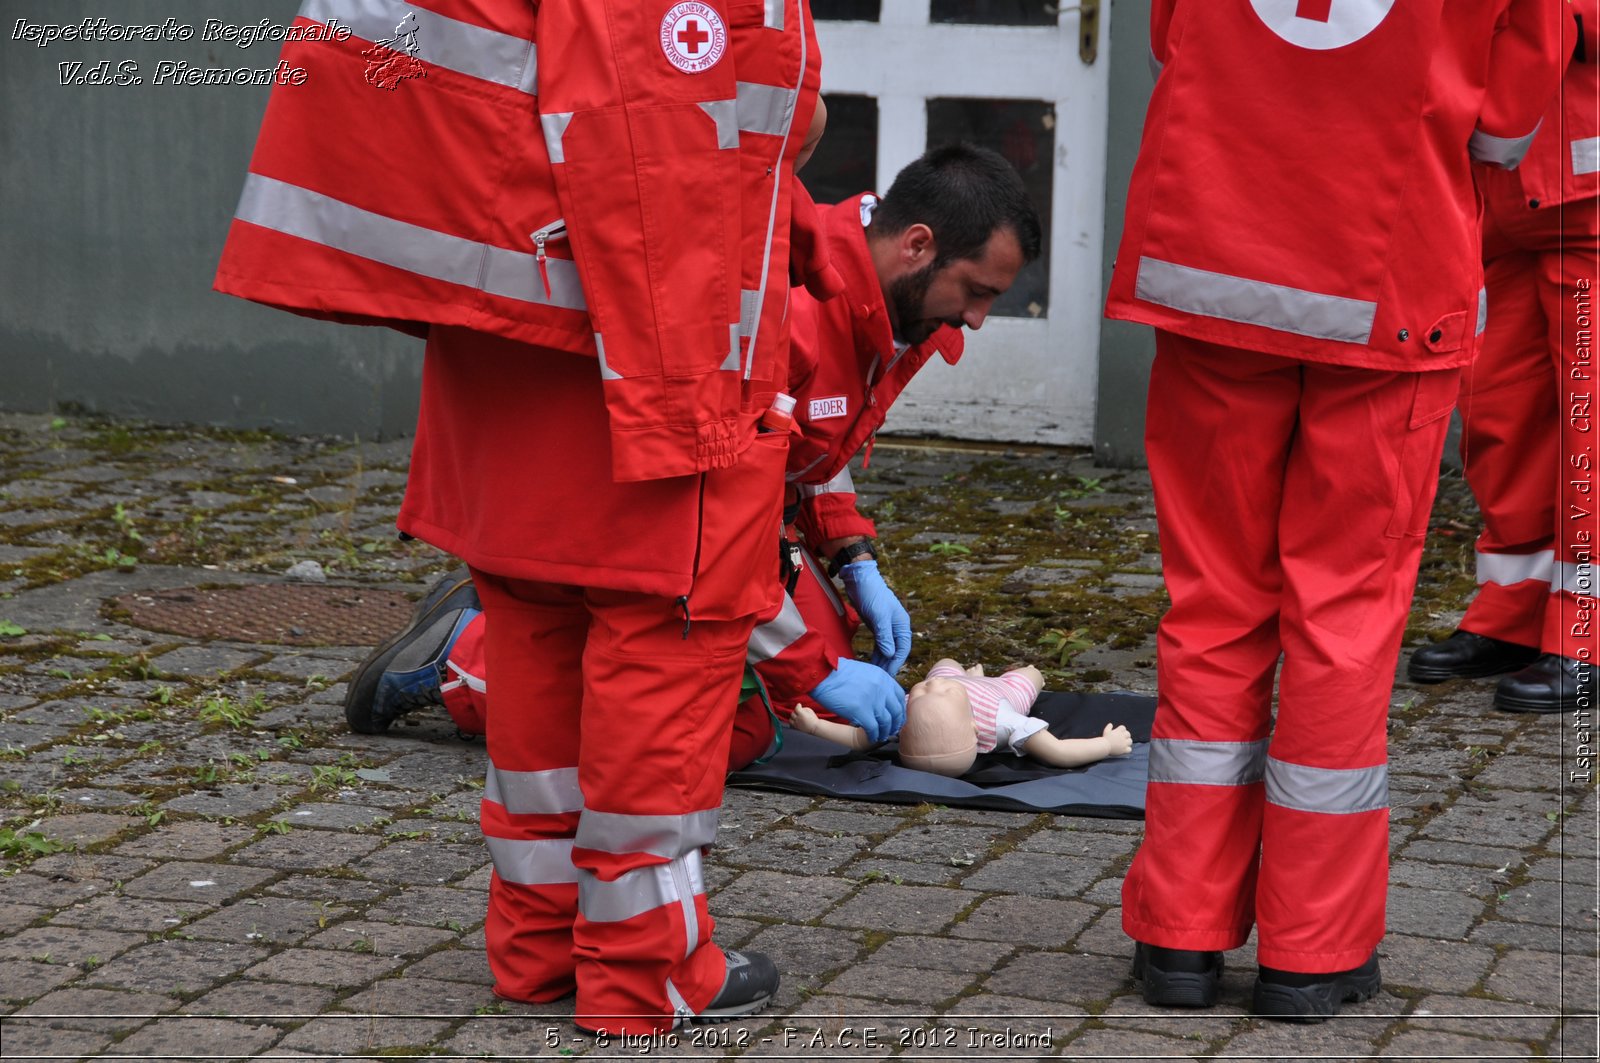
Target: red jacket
1244 225
405 181
845 374
1563 164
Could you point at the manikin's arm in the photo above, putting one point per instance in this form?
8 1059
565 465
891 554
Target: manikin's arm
805 719
1115 741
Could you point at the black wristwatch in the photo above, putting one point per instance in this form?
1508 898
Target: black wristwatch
854 552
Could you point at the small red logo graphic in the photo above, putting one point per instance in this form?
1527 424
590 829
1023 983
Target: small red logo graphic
392 61
693 36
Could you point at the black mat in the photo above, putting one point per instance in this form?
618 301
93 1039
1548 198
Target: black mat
1109 789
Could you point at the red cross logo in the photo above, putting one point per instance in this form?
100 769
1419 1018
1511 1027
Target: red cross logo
692 36
1315 10
1322 25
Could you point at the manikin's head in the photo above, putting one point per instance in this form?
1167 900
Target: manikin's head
939 735
949 237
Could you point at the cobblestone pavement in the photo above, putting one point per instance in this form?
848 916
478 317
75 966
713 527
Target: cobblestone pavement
202 863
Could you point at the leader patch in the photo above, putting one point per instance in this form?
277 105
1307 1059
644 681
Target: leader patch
693 36
833 406
1322 25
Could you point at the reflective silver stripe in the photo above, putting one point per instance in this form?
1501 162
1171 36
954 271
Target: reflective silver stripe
749 310
1586 155
502 58
767 109
666 836
776 635
686 895
1574 579
731 363
726 114
606 372
1274 306
533 863
681 1012
641 890
1155 65
772 209
534 792
1483 311
1180 760
555 131
791 477
1336 791
823 581
1504 152
839 485
1506 569
296 211
772 19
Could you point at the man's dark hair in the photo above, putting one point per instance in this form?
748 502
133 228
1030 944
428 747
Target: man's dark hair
963 193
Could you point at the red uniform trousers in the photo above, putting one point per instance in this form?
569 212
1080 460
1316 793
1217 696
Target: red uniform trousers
1291 498
594 811
1528 439
818 609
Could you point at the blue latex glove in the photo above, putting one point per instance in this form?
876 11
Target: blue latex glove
882 611
864 695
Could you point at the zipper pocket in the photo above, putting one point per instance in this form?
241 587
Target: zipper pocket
556 230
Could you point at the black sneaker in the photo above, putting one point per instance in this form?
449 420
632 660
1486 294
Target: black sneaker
1177 978
1297 997
405 672
748 987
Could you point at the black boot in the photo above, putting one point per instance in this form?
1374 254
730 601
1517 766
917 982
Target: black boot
1313 997
1467 656
1551 684
1177 978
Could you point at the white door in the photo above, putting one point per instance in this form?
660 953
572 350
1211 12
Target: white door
904 75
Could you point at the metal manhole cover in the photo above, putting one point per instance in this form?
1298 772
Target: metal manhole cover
292 614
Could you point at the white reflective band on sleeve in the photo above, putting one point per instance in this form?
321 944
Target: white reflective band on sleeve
1506 569
1586 155
532 793
1483 311
1177 760
726 114
1574 579
776 635
555 131
606 372
1334 791
482 53
1274 306
767 109
296 211
1505 152
839 485
533 863
1155 65
772 18
665 836
749 310
642 890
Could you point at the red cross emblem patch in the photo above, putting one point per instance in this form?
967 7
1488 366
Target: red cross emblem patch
693 36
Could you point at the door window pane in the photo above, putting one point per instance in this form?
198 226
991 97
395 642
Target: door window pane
846 159
846 10
1024 132
995 12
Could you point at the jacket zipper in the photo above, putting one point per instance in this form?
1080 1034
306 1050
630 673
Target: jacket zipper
682 600
556 230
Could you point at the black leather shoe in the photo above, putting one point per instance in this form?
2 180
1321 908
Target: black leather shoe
1297 997
1177 978
1467 656
1550 684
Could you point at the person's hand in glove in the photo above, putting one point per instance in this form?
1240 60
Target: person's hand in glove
866 696
882 611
